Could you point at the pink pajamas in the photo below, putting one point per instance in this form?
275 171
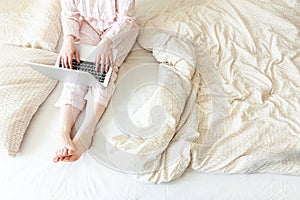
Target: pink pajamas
89 21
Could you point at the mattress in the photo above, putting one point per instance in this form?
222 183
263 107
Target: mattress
33 175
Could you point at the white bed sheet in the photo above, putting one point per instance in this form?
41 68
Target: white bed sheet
32 174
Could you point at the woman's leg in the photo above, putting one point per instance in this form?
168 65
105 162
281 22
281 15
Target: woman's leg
68 116
83 138
71 103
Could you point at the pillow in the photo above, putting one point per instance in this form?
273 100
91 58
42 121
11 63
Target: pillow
30 23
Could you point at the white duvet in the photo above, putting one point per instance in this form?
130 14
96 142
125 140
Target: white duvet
227 91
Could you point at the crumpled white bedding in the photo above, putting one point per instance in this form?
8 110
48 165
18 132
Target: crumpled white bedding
229 99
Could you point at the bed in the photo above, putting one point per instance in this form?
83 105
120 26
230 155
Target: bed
210 89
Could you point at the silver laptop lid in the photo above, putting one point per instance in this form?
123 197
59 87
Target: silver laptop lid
87 53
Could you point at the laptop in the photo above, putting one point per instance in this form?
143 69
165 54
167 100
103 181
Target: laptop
85 75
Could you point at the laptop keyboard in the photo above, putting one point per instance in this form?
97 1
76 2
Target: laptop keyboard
90 68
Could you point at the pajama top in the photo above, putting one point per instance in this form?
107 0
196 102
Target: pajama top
104 17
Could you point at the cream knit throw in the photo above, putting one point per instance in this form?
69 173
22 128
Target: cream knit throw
22 91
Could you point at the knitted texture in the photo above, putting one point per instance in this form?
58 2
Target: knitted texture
22 91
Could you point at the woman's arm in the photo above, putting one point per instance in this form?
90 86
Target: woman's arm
70 18
70 22
125 10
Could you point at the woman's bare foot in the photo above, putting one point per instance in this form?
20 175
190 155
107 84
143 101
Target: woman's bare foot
83 138
65 148
67 117
82 142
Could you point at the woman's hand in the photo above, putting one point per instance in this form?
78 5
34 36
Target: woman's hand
67 53
104 55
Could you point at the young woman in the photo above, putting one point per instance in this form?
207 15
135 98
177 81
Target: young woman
106 24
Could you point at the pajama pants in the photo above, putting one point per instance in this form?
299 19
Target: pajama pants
77 95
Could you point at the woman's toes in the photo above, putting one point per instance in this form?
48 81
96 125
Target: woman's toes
67 159
56 159
72 158
59 152
65 151
70 152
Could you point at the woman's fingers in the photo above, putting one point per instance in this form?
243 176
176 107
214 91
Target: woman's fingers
111 61
65 62
67 53
107 64
77 56
102 63
58 61
104 60
70 61
97 63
